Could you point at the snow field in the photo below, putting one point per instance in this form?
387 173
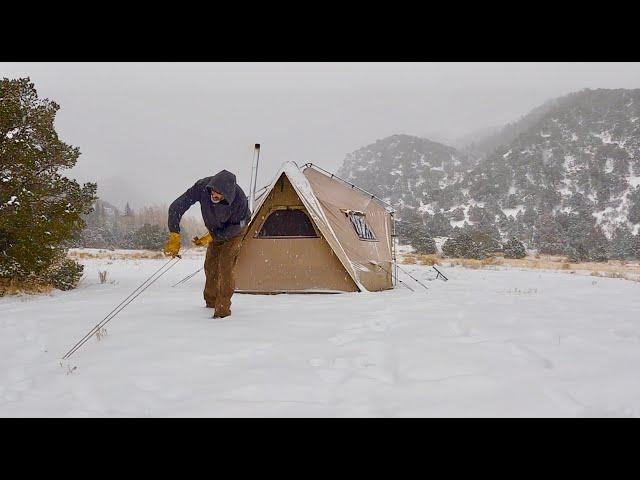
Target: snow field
501 342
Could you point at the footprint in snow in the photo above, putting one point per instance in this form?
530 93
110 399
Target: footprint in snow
530 355
374 361
627 334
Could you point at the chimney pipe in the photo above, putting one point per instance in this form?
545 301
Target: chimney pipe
254 177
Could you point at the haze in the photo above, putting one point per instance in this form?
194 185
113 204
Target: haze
148 131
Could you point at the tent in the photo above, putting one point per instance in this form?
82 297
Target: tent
312 232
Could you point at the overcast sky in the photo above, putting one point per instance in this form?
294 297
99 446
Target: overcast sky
160 127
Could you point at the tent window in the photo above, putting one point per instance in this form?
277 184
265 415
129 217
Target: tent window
359 224
290 223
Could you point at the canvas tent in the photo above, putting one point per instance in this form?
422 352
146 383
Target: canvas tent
311 232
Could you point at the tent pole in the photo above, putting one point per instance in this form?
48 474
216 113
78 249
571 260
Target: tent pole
393 248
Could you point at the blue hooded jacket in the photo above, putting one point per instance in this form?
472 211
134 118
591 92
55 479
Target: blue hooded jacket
225 219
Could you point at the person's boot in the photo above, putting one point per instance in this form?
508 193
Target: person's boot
221 313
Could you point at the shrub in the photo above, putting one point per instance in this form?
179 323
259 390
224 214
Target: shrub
423 243
514 249
577 254
463 246
147 237
65 275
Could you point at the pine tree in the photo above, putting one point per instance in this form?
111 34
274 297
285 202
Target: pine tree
462 245
128 211
621 244
422 242
636 245
40 208
514 249
149 237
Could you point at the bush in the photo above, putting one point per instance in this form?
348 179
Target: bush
423 243
65 275
598 254
463 246
147 237
514 249
577 254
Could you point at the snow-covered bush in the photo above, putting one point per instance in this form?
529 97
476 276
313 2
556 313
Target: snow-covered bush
65 275
423 243
514 249
463 246
148 237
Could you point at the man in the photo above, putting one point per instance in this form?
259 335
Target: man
225 212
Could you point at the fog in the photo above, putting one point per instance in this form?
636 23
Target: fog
148 131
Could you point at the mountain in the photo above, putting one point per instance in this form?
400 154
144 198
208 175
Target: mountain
567 171
583 154
404 169
485 141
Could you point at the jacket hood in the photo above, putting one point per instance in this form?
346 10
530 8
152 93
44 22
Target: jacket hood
225 183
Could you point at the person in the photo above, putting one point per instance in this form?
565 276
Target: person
226 215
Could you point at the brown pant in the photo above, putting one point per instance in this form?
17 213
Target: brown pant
219 266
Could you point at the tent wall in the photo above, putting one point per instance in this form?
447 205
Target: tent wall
269 265
334 196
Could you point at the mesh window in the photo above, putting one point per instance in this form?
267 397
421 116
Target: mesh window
359 224
287 223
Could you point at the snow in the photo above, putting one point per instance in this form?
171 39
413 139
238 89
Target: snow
604 136
487 343
11 133
426 208
634 180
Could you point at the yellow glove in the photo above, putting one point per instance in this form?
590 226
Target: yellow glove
202 241
172 247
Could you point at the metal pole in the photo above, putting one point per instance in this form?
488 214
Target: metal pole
146 284
254 177
394 246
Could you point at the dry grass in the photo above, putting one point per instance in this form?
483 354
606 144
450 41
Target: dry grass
422 259
15 287
623 275
610 269
116 255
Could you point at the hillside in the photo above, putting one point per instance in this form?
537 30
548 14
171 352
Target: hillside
566 172
405 169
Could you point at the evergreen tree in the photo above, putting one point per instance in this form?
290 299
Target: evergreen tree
147 237
422 242
514 249
462 245
40 209
128 211
438 225
621 245
578 253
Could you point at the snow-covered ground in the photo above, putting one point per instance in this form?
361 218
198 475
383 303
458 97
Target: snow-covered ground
486 343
